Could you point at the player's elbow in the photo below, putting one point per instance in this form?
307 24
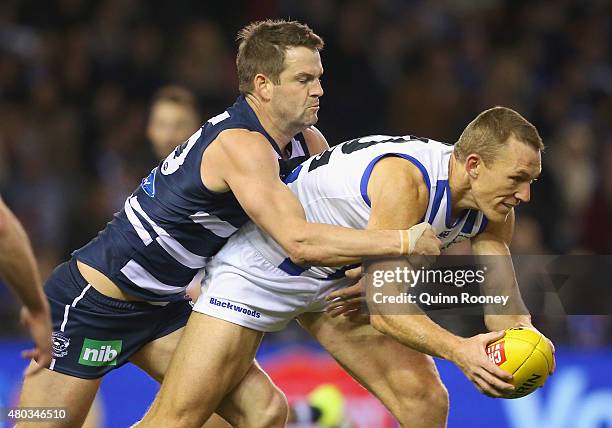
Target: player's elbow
308 255
300 254
297 259
294 247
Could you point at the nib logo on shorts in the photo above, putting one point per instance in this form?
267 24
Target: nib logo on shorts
99 352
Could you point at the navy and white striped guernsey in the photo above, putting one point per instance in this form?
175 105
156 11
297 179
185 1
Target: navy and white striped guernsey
171 224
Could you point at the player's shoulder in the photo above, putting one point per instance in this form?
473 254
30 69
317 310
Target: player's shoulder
399 169
396 186
244 145
315 140
242 139
400 174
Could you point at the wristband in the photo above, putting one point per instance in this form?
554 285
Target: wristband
404 242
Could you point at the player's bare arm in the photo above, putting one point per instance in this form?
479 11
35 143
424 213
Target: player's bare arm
244 163
18 268
495 241
399 200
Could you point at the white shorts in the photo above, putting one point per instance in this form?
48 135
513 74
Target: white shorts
244 288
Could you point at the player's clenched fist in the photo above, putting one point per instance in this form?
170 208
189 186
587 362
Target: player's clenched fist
429 244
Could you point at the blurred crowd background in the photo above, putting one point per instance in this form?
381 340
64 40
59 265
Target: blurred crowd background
77 77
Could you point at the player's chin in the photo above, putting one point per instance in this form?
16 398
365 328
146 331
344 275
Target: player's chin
310 114
498 213
312 119
495 213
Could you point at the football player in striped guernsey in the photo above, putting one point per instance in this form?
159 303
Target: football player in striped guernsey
440 194
122 296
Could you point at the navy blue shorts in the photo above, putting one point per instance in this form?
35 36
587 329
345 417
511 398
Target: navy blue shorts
94 334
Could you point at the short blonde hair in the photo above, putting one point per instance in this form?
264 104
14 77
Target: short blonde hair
490 131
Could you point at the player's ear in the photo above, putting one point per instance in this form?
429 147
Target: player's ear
472 165
262 86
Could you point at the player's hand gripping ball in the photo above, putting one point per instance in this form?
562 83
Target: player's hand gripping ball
526 355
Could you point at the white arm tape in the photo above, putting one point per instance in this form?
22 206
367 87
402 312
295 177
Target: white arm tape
414 234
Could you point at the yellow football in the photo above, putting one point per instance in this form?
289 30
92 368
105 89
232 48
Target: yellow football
526 355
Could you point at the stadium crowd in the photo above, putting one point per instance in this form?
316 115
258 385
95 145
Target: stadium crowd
77 76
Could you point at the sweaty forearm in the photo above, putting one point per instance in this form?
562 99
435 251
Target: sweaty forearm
500 280
327 245
17 264
418 332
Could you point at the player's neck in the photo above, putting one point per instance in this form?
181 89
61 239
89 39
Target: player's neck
459 184
281 136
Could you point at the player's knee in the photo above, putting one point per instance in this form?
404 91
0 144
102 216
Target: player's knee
180 419
432 393
175 415
426 396
275 410
437 396
270 410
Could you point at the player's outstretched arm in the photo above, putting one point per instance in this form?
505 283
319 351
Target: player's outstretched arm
399 200
501 278
250 169
18 269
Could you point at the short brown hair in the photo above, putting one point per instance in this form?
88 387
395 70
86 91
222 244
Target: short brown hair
178 95
263 45
490 131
